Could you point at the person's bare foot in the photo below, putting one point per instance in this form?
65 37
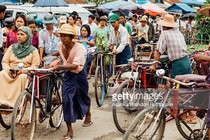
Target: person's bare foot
87 121
67 136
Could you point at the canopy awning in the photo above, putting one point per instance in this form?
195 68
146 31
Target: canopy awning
192 2
152 9
181 7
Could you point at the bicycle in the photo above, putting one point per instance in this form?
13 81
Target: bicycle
49 102
135 82
150 123
102 75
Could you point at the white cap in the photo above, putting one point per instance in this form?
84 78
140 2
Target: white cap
63 19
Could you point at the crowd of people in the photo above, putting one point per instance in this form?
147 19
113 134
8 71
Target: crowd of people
68 44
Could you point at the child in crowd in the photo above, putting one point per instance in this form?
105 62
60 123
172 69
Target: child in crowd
35 37
8 23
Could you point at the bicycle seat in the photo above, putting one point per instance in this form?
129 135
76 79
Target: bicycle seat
189 77
129 75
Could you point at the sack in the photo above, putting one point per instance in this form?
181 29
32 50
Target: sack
49 59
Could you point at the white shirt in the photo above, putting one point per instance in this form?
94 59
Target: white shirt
143 30
120 40
183 24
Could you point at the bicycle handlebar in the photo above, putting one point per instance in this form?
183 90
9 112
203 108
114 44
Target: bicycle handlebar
107 53
148 63
34 69
38 70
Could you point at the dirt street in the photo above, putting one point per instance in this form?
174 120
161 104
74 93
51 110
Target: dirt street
103 127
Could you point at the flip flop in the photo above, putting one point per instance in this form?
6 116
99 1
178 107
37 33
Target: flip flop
191 120
68 138
85 124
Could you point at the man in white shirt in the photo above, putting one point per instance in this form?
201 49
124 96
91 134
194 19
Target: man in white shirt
92 24
143 29
118 40
2 14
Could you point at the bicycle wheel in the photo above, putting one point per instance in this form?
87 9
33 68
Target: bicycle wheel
147 125
124 110
5 120
57 115
99 87
22 127
186 129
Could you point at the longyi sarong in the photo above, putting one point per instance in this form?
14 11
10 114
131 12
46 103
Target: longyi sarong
180 67
75 96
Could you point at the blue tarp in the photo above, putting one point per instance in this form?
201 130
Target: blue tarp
181 6
192 2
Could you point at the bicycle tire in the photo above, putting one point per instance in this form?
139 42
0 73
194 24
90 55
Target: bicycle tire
56 117
21 128
99 94
6 125
160 128
183 129
123 116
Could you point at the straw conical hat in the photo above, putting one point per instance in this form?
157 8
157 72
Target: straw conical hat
205 11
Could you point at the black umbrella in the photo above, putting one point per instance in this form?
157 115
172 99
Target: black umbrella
189 15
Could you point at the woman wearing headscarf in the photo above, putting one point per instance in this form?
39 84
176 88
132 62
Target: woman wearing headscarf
21 52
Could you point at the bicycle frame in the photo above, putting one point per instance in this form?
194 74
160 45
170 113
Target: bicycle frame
175 102
33 88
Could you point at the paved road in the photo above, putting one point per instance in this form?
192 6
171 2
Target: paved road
103 127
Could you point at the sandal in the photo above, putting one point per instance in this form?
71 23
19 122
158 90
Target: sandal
87 124
68 138
191 120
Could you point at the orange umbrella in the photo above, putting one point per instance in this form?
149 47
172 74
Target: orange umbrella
152 9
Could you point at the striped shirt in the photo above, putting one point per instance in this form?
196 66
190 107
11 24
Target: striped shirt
173 43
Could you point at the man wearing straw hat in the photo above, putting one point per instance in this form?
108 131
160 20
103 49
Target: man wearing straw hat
142 30
75 99
172 42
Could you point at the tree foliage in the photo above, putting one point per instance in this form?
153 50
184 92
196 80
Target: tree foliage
207 2
99 2
202 32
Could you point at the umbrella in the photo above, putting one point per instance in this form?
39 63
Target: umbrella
50 3
120 4
152 9
189 15
205 11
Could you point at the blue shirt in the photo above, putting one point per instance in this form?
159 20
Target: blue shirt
84 43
